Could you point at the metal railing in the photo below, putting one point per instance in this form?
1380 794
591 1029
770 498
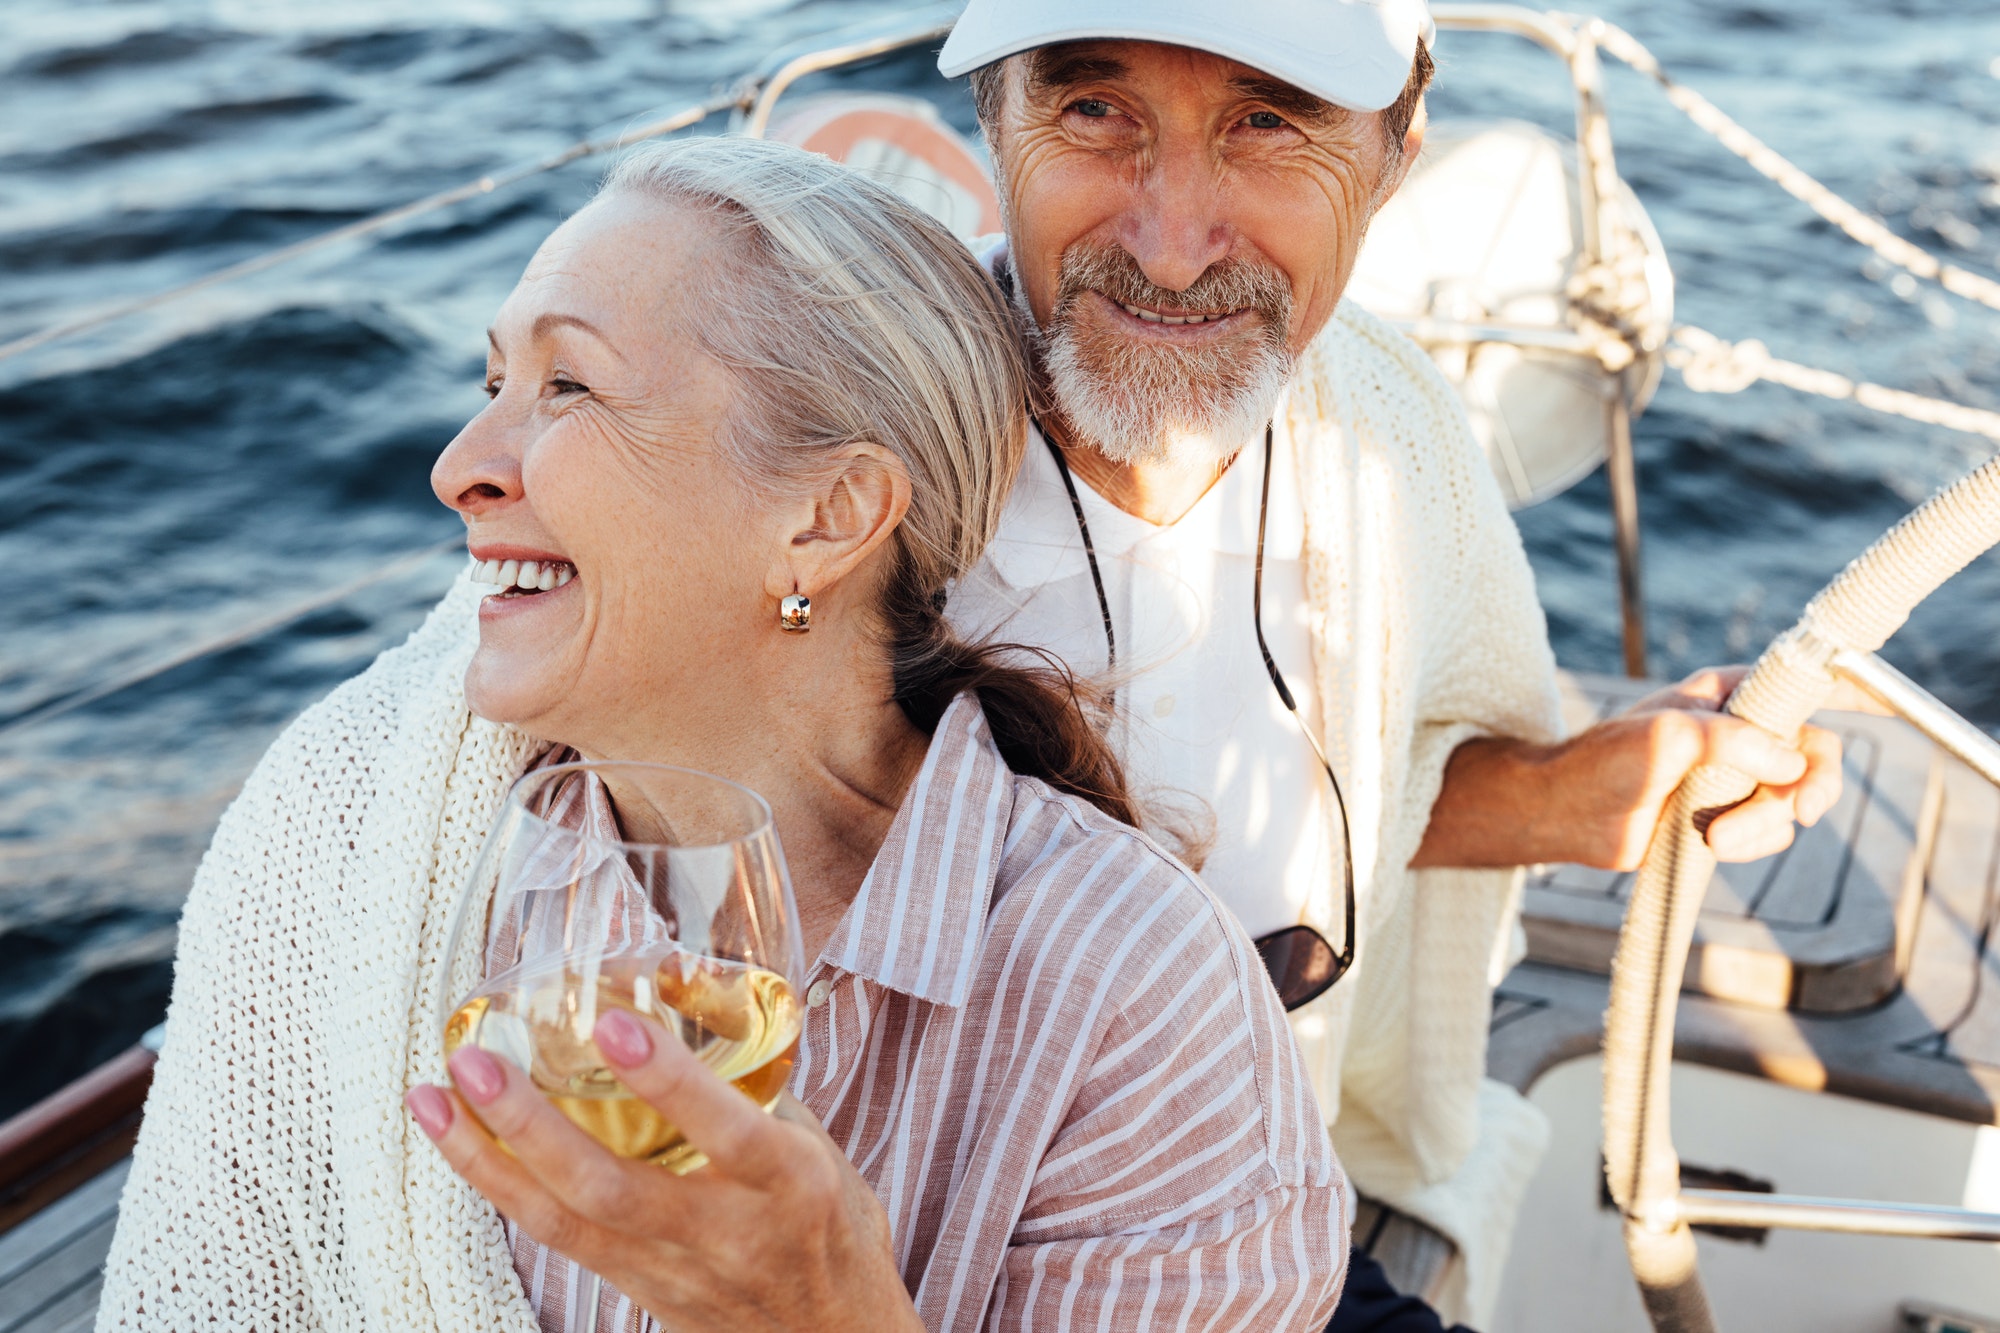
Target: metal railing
1569 40
1922 710
932 24
1798 1212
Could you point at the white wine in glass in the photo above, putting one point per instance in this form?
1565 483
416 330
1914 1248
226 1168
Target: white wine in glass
656 890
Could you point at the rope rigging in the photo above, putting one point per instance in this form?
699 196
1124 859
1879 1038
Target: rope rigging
1790 178
1709 364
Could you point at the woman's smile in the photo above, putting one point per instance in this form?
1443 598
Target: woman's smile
521 576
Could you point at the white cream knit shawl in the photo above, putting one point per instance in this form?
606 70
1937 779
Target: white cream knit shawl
1427 632
278 1183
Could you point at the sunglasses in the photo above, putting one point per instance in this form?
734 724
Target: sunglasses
1302 964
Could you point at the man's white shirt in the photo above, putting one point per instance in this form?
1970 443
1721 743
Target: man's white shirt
1206 740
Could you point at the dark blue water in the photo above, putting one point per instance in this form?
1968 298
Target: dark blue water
183 474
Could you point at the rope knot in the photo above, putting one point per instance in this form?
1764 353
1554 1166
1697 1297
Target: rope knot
1715 365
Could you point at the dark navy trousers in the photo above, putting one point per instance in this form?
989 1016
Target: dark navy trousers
1368 1304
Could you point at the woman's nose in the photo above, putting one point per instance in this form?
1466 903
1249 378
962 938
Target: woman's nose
480 470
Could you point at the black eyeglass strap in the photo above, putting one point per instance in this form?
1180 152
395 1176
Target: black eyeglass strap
1089 550
1345 959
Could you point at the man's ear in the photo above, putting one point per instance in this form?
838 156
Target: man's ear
861 500
1413 144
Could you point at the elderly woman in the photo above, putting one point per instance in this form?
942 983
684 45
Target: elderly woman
1055 1085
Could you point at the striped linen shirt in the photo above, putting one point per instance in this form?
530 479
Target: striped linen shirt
1060 1065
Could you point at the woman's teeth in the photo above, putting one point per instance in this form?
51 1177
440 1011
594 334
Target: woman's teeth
1155 317
524 575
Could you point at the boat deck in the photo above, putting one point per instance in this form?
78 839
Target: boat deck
52 1265
1857 963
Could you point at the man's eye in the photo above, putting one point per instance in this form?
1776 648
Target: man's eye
1265 120
1093 107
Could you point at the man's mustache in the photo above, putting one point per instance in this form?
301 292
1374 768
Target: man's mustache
1226 285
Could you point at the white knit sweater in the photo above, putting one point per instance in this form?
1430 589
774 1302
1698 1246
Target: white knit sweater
277 1167
1428 632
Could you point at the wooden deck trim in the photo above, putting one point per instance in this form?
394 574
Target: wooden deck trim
52 1267
72 1135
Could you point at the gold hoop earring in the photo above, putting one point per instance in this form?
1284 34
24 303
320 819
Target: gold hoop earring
795 613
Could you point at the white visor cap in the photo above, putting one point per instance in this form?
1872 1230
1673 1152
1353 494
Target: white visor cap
1353 53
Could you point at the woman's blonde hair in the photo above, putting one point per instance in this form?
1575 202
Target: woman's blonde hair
845 315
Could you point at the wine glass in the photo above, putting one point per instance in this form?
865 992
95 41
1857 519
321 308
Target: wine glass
643 887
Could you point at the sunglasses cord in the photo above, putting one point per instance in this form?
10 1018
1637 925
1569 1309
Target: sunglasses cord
1345 958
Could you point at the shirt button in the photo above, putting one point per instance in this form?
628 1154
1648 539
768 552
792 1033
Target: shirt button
1163 705
816 993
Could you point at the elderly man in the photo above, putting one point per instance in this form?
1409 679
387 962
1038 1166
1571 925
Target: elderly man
1259 513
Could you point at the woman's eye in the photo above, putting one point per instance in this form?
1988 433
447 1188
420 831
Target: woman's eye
1264 120
562 386
493 386
1093 107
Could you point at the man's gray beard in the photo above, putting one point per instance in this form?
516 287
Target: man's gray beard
1192 410
1138 402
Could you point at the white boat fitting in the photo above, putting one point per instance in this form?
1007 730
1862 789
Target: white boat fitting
1818 1020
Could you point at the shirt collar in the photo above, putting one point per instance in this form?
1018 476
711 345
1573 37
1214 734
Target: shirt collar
1038 540
917 923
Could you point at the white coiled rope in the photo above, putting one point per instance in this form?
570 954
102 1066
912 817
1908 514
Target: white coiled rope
1857 612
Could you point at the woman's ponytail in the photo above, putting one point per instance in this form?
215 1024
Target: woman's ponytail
1041 716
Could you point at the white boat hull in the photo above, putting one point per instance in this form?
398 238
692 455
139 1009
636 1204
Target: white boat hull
1567 1271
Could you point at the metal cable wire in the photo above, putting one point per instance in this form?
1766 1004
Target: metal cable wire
377 222
778 71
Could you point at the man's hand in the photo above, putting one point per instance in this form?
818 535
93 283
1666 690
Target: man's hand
1596 798
778 1231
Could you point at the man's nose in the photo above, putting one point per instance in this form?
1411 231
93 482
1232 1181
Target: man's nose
479 472
1175 227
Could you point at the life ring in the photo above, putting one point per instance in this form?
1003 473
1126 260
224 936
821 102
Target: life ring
903 143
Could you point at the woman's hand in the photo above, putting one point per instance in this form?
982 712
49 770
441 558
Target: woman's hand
778 1231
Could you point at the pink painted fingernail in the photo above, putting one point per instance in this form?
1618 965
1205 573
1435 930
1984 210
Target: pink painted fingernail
430 1108
622 1039
478 1074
